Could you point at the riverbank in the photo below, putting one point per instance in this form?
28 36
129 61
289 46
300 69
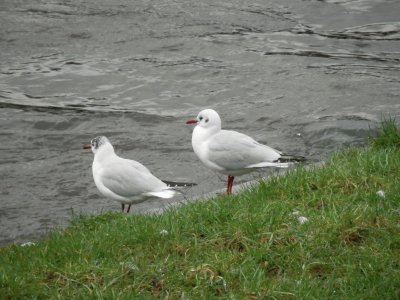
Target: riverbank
330 232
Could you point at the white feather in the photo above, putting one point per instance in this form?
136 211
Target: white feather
166 194
230 152
124 180
269 164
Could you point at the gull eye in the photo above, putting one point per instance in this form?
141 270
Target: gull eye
200 118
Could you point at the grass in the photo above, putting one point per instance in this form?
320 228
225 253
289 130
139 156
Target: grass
247 246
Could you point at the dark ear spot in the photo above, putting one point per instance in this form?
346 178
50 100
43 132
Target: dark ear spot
206 120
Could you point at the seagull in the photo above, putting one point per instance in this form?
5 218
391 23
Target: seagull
124 180
230 152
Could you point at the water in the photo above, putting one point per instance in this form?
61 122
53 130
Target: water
306 77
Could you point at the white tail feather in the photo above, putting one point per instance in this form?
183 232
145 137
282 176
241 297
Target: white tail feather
163 194
268 164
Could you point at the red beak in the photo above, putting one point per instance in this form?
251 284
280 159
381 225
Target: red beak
192 121
87 146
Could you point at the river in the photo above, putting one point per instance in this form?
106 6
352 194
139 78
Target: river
306 77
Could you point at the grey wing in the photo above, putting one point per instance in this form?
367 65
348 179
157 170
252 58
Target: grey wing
128 178
232 150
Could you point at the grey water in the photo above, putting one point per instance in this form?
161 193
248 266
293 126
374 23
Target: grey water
307 77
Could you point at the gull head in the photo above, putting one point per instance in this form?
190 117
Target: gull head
98 143
207 118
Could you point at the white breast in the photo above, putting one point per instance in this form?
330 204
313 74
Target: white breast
200 141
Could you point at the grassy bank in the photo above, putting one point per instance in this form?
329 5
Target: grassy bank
254 245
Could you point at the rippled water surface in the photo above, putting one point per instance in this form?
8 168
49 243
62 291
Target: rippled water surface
306 77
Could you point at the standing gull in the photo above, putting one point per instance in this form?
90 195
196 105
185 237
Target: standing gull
230 152
124 180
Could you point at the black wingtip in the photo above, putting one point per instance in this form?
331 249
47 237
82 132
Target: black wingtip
291 158
179 184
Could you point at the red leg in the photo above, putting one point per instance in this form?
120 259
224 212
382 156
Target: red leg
230 188
229 184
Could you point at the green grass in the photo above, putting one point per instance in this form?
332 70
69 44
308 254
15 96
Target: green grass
247 246
389 135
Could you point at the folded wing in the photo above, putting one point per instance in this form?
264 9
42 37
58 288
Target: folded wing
129 179
232 150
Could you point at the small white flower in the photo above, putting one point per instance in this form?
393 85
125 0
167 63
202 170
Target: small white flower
129 265
381 194
302 220
295 213
163 232
28 244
